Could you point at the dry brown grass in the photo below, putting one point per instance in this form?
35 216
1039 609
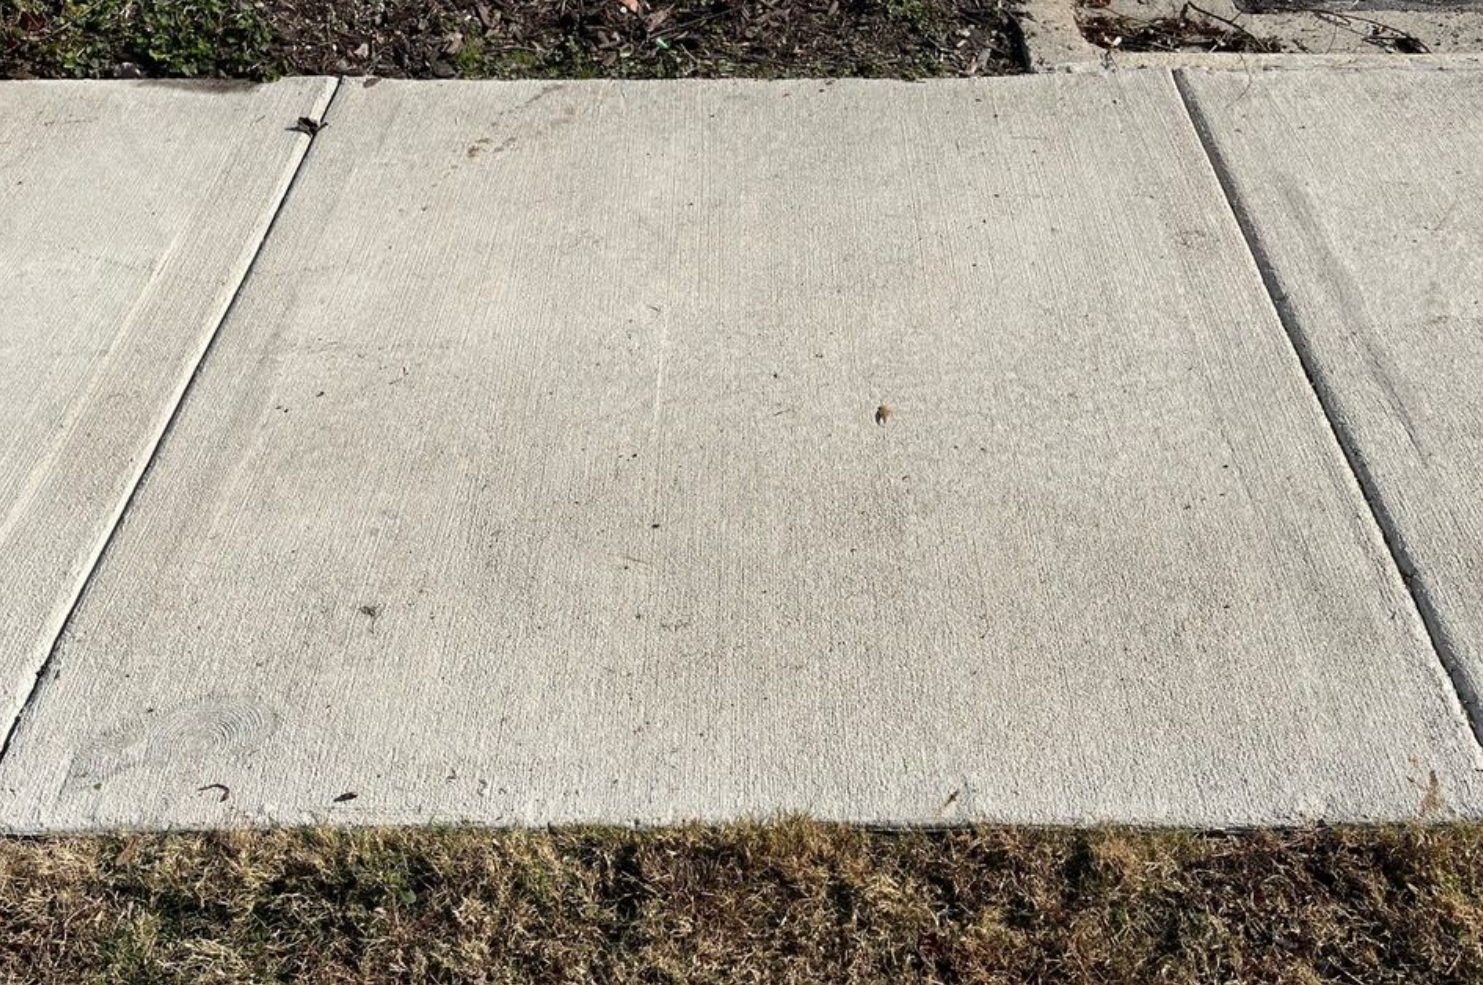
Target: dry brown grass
790 901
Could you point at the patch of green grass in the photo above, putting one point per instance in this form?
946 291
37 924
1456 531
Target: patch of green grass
790 901
914 12
511 64
186 38
470 60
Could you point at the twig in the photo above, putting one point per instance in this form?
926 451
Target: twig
1415 45
1233 25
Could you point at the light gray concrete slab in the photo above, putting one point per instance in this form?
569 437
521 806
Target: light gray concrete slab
128 215
1363 192
542 474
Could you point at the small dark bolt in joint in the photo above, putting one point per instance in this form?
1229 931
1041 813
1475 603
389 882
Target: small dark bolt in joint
308 125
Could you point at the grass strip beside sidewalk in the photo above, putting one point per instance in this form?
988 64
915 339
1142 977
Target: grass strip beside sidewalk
789 901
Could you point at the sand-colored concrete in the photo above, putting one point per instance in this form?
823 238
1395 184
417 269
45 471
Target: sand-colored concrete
1441 36
1362 191
897 453
128 216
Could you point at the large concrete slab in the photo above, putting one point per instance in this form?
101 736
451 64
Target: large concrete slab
541 473
128 215
1363 191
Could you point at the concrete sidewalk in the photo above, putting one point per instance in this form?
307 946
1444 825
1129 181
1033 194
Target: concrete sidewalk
1060 449
128 216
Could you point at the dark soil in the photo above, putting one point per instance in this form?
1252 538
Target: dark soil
507 38
1193 31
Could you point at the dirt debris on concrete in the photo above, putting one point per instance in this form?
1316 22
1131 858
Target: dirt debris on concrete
1379 34
1193 30
508 38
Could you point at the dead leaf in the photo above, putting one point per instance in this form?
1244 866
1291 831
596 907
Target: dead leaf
130 852
1432 801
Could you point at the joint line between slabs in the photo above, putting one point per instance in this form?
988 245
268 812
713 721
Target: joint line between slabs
154 450
1390 535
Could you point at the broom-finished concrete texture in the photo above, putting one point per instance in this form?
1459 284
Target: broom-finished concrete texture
651 451
1363 194
128 216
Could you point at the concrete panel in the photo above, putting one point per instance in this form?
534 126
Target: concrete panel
128 214
1379 260
891 452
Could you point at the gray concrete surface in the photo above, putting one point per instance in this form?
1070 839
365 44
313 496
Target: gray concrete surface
128 215
1380 263
646 451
